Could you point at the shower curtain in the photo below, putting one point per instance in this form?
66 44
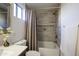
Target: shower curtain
31 29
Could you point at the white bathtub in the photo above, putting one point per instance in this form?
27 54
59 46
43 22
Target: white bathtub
48 48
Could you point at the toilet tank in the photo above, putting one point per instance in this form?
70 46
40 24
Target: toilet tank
21 42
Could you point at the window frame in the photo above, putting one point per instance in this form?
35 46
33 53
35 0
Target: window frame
17 11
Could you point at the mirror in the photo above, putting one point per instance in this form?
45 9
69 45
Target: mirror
4 15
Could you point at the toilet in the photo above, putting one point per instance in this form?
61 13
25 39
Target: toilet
29 53
32 53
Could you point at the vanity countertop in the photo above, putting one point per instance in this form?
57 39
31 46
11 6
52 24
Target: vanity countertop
13 50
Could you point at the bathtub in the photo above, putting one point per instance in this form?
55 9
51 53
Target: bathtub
48 48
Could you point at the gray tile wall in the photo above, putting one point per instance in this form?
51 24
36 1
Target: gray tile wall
46 25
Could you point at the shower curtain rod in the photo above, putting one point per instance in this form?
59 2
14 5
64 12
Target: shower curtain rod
50 8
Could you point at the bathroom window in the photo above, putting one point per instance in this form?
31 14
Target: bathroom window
14 10
23 14
19 12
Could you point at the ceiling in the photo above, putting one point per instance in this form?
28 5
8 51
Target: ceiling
42 5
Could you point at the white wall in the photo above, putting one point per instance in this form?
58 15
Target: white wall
69 24
18 27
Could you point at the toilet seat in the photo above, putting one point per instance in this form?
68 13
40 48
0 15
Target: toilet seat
32 53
